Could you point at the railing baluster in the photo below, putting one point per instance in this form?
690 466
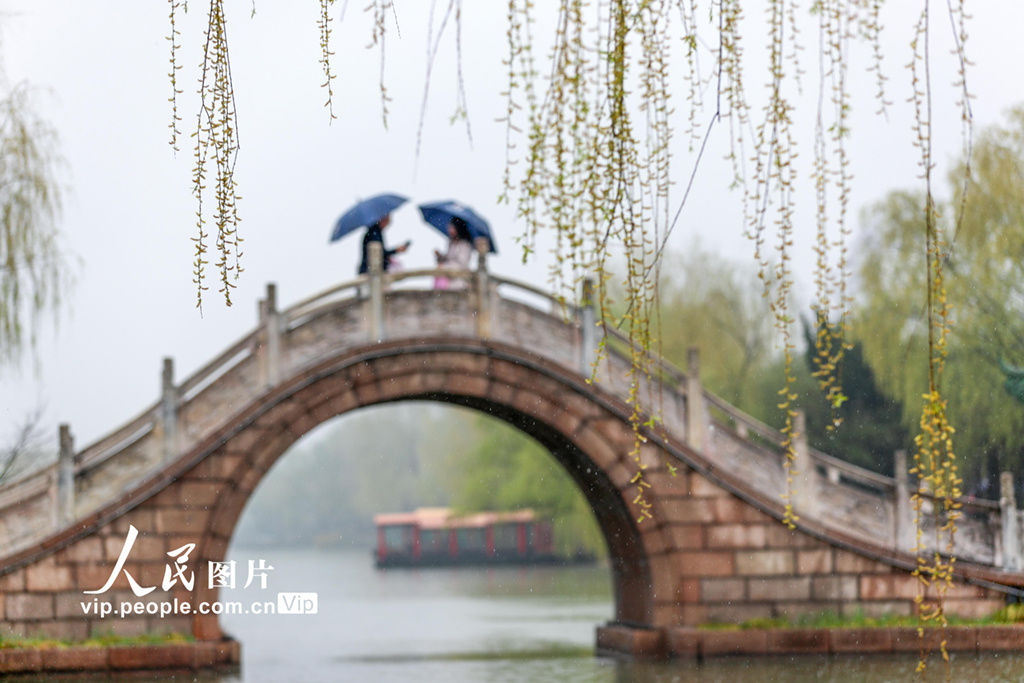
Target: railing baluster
806 474
588 329
169 411
483 290
1009 519
903 519
376 301
65 478
696 412
269 338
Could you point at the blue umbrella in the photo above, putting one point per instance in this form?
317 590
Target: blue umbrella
439 214
366 212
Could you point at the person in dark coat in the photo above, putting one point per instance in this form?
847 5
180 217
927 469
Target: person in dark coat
375 233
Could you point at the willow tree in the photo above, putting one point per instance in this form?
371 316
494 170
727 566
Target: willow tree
985 276
595 120
33 272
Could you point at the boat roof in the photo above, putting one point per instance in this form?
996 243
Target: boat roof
438 518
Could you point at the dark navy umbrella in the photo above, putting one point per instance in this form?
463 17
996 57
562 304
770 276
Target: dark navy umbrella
366 212
439 214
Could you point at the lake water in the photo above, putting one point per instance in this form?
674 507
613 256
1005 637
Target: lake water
509 624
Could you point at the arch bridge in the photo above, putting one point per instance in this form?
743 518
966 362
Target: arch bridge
183 469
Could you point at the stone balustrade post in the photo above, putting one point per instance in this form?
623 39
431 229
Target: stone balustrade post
805 482
483 289
169 410
270 351
375 314
696 410
260 350
1010 523
65 478
903 516
588 329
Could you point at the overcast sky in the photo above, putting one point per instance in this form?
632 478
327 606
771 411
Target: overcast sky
100 68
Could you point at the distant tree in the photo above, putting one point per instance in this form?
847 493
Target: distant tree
715 304
871 425
984 280
505 470
33 272
25 445
377 460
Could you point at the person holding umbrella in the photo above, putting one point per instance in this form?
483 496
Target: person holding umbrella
460 249
440 214
463 226
375 233
375 214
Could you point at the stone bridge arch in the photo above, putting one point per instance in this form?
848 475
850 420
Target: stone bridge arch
715 550
586 435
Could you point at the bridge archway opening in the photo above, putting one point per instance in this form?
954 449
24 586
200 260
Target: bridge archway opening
400 456
343 574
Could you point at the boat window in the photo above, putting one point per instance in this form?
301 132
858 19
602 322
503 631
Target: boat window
506 538
398 537
471 539
434 541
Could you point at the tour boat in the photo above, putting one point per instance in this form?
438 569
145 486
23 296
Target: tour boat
435 537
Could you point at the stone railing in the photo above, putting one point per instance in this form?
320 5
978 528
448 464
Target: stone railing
387 306
859 501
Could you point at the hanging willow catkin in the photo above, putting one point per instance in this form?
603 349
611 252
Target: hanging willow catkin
215 154
588 159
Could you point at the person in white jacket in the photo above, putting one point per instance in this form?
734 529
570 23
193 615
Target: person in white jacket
460 250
